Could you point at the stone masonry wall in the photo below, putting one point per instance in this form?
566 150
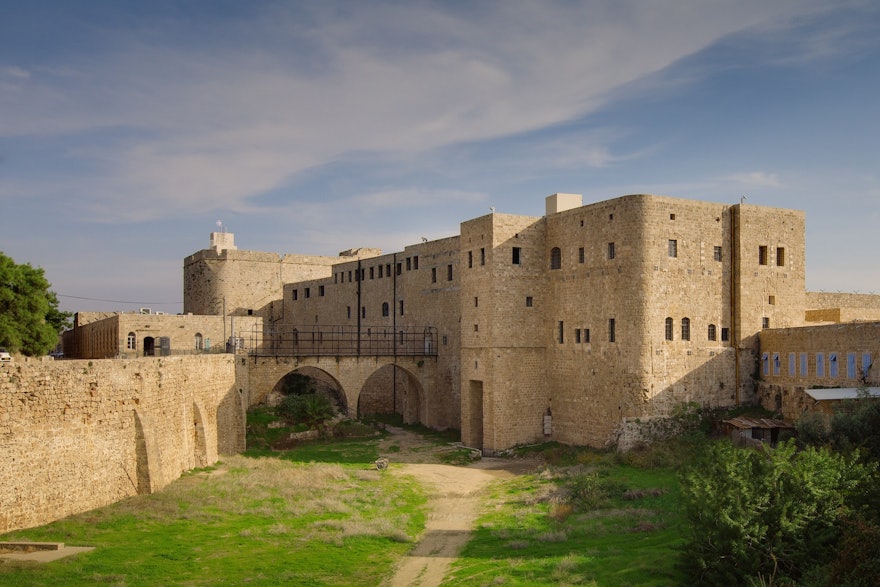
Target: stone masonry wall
79 434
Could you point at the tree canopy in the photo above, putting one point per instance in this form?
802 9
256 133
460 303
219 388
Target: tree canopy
29 316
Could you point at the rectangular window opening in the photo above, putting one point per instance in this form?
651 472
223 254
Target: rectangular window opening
673 248
762 255
517 255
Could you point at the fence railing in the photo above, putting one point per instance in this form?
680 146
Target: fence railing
330 340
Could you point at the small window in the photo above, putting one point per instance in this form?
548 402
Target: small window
416 263
725 334
765 364
388 269
449 273
380 271
717 253
409 263
555 258
476 302
131 342
669 329
529 301
399 268
320 290
308 292
476 327
363 311
433 275
820 365
776 363
804 364
470 259
712 332
577 335
780 256
612 330
482 256
200 342
372 275
762 255
400 306
672 216
832 365
561 332
792 364
335 278
765 322
517 255
611 252
673 248
349 276
685 328
586 335
295 294
348 311
384 308
582 255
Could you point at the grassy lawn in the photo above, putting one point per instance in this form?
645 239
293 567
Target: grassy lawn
320 514
257 521
604 524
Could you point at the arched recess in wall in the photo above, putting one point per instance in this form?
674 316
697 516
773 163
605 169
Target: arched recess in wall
308 380
146 454
199 438
392 390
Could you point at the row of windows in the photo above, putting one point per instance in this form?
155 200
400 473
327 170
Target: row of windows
711 330
611 253
798 365
376 271
582 335
201 343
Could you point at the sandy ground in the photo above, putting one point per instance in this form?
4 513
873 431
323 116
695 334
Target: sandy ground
455 497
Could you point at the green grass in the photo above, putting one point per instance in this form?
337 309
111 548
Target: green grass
600 524
251 521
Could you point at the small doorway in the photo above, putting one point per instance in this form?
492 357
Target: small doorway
149 346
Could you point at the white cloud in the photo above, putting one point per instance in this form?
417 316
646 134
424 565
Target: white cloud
196 124
756 179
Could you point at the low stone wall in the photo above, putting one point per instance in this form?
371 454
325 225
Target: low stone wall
80 434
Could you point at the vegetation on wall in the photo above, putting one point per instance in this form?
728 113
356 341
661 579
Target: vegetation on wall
29 317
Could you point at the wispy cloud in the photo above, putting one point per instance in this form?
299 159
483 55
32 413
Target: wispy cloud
755 178
190 123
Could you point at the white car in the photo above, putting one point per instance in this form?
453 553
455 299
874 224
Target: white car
5 357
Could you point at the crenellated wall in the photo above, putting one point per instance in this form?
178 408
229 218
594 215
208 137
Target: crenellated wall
81 434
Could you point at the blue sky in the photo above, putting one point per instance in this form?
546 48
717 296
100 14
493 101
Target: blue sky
128 129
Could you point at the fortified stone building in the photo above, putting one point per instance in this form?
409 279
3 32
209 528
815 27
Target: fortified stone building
564 326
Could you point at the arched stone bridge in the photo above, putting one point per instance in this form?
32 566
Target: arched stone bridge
366 384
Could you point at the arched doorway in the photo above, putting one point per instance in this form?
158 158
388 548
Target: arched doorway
392 390
309 380
149 346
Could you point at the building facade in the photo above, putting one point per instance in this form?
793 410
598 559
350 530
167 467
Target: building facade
557 327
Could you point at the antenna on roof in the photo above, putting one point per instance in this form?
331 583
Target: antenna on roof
220 225
742 200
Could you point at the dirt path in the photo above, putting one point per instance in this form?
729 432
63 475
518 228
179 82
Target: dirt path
456 494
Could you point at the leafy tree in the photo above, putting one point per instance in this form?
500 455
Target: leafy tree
29 317
766 513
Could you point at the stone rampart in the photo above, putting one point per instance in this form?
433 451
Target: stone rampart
80 434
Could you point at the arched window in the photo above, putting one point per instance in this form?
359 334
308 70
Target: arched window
200 342
712 332
555 258
685 328
131 342
384 308
669 329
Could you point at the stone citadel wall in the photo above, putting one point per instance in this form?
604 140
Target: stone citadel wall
79 434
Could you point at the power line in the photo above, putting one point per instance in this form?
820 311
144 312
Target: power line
117 301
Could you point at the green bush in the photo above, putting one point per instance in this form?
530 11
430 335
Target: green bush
765 513
311 409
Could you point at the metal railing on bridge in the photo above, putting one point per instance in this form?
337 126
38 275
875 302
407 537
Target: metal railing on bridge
324 340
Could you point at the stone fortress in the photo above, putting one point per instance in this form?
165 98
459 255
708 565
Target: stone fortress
578 326
562 327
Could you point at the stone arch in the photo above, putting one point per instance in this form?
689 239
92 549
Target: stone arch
392 389
323 381
146 454
200 442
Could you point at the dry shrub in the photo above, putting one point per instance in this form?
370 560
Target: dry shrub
634 494
557 536
561 511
